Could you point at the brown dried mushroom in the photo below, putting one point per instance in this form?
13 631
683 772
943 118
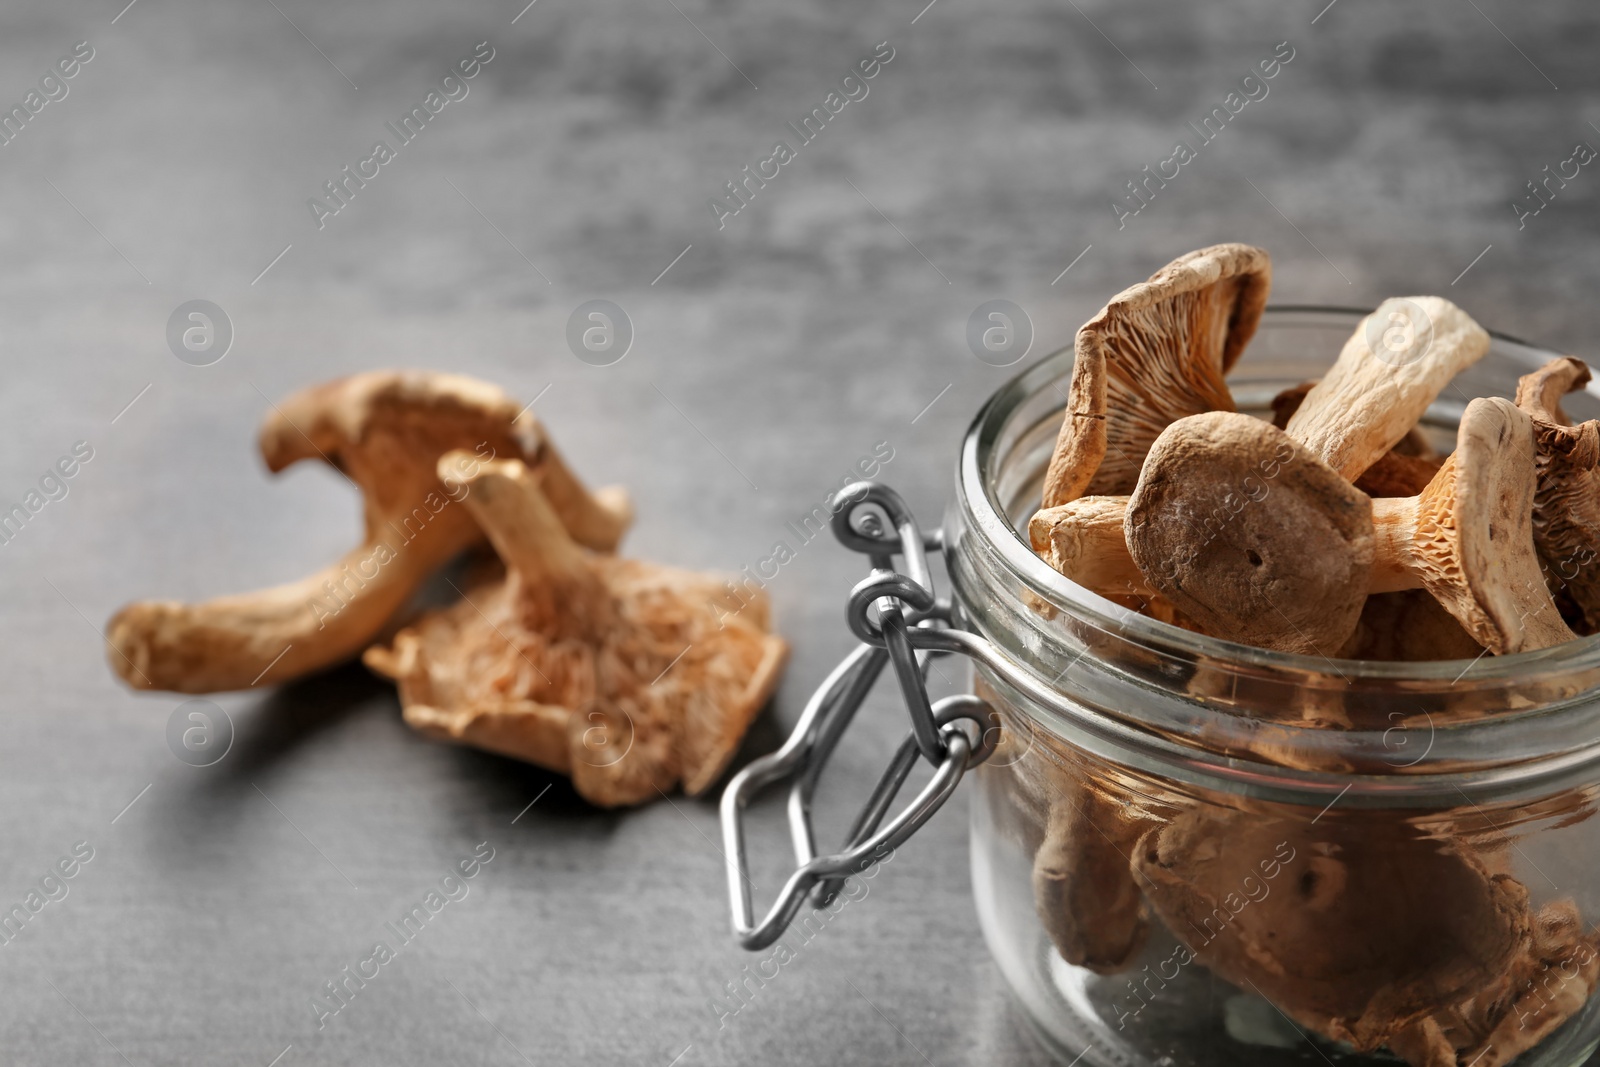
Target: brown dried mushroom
1357 936
1551 979
1289 574
1083 885
1566 504
1083 540
1387 374
1408 625
1271 575
1404 470
1468 537
628 676
1157 352
385 431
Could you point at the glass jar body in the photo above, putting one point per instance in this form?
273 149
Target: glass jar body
1173 867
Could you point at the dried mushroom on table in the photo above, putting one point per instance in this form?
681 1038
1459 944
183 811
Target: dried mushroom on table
632 678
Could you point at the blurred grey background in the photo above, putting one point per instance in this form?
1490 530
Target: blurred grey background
769 354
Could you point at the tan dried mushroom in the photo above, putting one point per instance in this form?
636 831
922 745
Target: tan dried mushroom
1356 420
1468 537
1290 575
385 431
1566 504
628 676
1404 470
1387 374
1157 352
1271 575
1357 936
1083 885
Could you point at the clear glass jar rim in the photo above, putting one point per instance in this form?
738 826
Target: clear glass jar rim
978 498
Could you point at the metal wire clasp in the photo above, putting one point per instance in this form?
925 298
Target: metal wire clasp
896 616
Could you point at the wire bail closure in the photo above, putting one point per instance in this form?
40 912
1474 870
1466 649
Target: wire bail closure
896 616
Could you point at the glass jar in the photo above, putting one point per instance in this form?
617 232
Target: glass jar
1192 853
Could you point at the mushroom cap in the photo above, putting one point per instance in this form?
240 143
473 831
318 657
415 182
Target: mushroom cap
1540 393
1157 352
387 429
1355 930
1473 544
1251 535
1566 501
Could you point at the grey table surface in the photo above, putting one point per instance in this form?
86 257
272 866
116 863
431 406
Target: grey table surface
769 355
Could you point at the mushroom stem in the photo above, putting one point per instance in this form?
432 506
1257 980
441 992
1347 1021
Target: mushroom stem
236 642
384 431
595 519
509 504
1394 525
1084 537
1387 374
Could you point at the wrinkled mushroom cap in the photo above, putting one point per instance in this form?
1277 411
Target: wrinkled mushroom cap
387 430
1540 393
1250 535
1157 352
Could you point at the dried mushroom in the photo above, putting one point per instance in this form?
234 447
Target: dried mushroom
1468 537
1246 572
1083 540
1157 352
628 676
1408 625
1390 370
385 431
1549 981
1357 936
1566 504
1251 535
1083 884
1404 470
